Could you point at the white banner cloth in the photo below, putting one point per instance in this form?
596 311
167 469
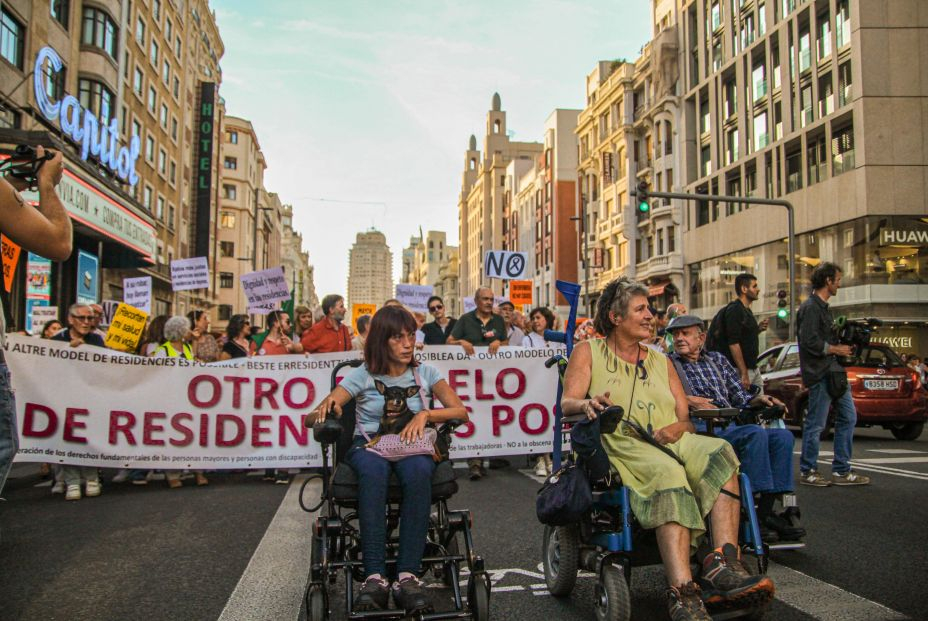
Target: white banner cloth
116 410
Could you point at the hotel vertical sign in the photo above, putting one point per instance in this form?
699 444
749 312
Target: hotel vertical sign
204 167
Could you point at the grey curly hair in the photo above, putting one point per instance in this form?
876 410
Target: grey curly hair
615 298
176 328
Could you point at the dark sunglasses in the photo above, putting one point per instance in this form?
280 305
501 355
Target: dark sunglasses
432 309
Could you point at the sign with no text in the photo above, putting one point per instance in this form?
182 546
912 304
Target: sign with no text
10 251
520 292
505 265
361 309
126 328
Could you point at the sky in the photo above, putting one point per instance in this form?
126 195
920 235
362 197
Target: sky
363 110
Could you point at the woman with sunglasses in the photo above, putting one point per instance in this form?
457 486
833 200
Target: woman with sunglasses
437 331
238 342
674 499
389 361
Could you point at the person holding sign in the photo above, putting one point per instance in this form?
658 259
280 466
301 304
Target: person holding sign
80 330
277 343
329 334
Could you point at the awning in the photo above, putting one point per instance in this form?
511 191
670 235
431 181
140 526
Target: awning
656 290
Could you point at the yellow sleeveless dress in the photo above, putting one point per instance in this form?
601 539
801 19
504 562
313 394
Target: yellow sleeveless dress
661 490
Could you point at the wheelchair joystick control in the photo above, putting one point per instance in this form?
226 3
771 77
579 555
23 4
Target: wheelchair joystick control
328 431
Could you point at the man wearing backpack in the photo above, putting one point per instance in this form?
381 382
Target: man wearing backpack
734 331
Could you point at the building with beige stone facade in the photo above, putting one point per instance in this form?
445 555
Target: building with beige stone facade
447 287
480 203
370 269
137 69
815 103
296 262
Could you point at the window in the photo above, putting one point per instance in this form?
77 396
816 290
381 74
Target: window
159 212
844 84
168 29
176 88
815 160
824 36
166 73
226 249
146 198
137 82
225 312
153 52
761 139
174 128
228 191
8 118
59 10
173 172
164 116
715 14
162 162
54 81
805 53
843 24
761 20
171 215
230 163
805 102
731 147
99 30
152 98
136 129
842 150
12 39
156 9
150 148
777 121
706 161
793 171
94 96
177 47
731 99
140 33
775 56
227 220
226 280
826 98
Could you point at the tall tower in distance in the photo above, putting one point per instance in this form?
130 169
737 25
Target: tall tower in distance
370 269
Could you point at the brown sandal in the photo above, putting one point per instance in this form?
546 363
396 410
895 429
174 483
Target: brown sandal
201 479
175 483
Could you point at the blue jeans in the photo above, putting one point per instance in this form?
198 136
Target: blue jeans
415 476
9 438
817 417
766 456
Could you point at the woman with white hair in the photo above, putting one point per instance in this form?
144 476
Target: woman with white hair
176 330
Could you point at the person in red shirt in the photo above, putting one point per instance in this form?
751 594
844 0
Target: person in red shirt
329 334
277 342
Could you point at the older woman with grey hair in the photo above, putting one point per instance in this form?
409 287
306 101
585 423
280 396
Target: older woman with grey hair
176 332
673 495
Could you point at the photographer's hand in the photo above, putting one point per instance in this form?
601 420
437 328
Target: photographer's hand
50 172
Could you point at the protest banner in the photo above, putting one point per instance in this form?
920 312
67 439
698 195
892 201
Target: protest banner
245 413
520 292
414 297
41 314
504 265
187 274
10 251
361 309
264 288
137 292
126 328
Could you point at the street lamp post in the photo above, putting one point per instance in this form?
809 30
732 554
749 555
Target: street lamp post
749 200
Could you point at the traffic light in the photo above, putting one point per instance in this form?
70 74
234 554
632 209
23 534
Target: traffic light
782 310
642 195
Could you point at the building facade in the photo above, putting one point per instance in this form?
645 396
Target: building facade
296 262
448 287
480 204
370 269
804 101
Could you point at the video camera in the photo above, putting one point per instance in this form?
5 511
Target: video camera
855 332
25 164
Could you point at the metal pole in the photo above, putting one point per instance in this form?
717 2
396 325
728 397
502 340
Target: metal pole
750 200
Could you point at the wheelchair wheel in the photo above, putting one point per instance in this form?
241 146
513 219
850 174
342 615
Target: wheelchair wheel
561 554
317 604
613 602
478 596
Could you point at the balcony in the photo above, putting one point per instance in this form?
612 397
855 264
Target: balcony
660 265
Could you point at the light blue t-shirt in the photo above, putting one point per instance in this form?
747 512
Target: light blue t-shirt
369 402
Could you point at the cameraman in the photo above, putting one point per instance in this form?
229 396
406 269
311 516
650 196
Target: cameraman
45 230
827 383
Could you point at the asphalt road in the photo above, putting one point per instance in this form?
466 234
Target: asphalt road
189 554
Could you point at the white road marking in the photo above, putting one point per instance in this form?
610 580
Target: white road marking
893 460
897 451
274 581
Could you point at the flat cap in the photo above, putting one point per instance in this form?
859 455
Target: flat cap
685 321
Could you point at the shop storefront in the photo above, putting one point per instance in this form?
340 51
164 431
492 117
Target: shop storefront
885 275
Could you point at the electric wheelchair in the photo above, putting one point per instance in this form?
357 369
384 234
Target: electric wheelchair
608 541
336 537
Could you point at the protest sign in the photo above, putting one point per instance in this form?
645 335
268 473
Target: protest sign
246 413
137 292
414 297
41 314
265 287
361 309
189 274
520 292
505 265
88 274
38 277
470 305
109 310
10 251
126 328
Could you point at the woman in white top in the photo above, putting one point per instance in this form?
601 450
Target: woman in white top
540 319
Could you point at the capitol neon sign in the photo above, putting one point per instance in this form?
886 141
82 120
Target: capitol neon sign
94 137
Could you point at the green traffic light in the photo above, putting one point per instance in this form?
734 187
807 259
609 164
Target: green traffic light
782 313
644 207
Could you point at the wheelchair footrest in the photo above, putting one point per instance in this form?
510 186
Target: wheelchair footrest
787 545
401 614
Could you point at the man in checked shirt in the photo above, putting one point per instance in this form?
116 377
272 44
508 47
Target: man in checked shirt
766 454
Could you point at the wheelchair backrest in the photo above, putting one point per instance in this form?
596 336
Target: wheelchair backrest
349 417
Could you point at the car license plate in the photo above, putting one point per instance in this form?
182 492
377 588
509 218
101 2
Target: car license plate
881 384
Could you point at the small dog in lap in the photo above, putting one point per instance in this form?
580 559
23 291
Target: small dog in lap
396 412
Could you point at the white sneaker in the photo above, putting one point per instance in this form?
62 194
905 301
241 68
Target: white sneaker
541 470
58 487
121 477
93 488
74 492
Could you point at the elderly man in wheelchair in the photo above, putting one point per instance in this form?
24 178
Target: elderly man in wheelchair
680 484
766 454
389 369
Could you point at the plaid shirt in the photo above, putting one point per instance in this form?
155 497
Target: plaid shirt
714 377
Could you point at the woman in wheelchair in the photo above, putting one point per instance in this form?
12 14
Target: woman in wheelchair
389 362
672 498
